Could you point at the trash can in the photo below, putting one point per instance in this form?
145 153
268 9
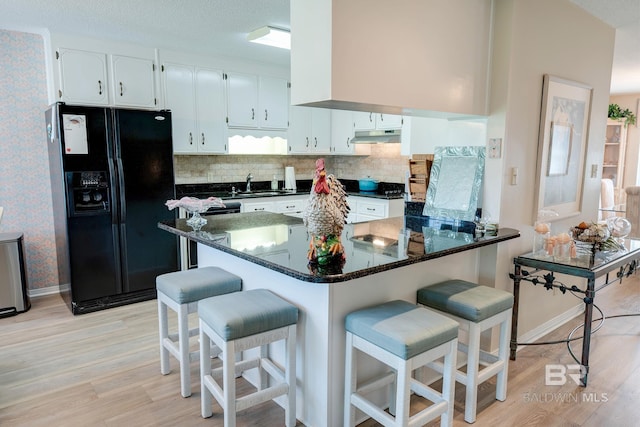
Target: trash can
13 275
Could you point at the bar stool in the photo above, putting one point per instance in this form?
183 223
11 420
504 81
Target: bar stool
476 308
238 322
180 291
404 337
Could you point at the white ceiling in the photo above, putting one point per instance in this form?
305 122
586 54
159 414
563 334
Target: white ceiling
220 26
624 16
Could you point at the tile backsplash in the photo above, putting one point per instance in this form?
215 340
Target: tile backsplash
384 164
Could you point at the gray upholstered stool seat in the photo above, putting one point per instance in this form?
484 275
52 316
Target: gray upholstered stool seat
465 299
241 321
476 308
198 283
180 291
405 337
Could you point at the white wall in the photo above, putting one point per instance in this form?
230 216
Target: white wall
534 38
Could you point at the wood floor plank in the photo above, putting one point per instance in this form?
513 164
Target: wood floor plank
103 369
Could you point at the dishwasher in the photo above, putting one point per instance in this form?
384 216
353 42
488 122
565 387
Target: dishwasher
189 248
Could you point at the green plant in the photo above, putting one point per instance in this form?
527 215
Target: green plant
617 113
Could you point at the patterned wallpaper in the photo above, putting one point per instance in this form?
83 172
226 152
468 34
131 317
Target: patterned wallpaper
24 166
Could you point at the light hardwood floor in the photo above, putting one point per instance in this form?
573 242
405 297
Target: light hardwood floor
102 369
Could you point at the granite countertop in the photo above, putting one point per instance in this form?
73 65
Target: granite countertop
280 242
386 191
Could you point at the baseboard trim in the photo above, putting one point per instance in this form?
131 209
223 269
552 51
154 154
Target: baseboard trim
550 325
49 290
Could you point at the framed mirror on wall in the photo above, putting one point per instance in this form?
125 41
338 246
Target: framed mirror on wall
455 183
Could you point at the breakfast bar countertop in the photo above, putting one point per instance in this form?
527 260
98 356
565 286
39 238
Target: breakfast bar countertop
280 243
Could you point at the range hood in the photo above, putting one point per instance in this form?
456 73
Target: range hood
376 136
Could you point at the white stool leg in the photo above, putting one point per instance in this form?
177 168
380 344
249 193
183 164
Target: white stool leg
473 358
449 383
350 382
290 375
206 398
503 356
183 344
403 393
163 327
229 383
263 377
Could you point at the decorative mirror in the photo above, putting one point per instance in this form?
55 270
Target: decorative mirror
455 182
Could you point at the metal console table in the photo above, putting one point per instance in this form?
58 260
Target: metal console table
624 263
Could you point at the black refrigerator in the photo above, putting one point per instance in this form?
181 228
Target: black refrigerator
111 173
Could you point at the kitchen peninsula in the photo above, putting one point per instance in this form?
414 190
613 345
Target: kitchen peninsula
385 260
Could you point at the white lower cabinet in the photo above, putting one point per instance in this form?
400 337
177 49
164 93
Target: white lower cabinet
368 209
259 206
289 205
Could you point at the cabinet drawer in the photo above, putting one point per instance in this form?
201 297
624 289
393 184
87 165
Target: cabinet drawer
258 207
285 206
372 209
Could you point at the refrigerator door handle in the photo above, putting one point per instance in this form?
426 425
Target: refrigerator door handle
121 196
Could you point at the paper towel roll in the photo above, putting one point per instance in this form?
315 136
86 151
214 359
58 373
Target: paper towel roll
289 178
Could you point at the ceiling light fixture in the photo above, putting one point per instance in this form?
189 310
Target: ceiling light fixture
271 36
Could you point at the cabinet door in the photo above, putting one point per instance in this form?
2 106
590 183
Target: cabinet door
83 77
242 100
341 131
210 111
133 82
273 98
179 94
388 121
364 120
299 134
321 130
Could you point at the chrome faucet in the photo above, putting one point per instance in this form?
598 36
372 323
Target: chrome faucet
249 178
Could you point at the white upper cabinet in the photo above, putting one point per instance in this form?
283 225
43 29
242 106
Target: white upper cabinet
83 77
273 96
257 102
341 132
195 97
309 130
376 121
210 109
85 80
133 82
242 100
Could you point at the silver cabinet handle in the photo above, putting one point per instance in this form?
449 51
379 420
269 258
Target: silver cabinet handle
190 138
259 209
348 142
121 89
371 117
381 118
266 115
316 139
99 87
202 138
307 138
253 114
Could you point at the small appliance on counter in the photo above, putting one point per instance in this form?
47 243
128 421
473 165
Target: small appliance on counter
289 178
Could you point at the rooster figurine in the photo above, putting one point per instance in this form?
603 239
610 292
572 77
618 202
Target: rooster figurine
325 216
